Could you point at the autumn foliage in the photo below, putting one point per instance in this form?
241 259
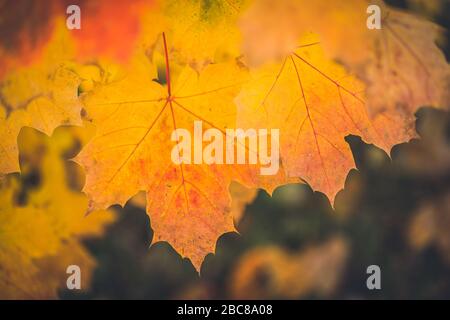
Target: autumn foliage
108 97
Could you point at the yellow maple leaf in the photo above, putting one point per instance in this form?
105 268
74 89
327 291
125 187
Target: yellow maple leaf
130 151
42 95
316 103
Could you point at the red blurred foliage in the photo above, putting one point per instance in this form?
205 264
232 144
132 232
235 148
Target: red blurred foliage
108 29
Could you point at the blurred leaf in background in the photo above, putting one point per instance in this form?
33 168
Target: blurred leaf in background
42 217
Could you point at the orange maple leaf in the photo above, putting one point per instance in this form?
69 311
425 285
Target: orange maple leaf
316 103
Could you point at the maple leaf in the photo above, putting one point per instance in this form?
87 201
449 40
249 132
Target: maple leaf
188 24
316 103
38 87
189 204
41 225
401 63
405 69
42 95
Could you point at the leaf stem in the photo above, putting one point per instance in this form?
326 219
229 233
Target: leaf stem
169 89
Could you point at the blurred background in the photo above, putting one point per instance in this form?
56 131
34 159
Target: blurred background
394 213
